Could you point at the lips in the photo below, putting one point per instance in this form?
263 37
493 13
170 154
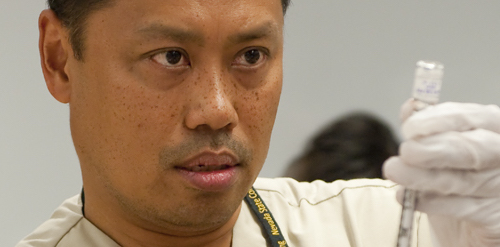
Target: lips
210 171
210 162
207 168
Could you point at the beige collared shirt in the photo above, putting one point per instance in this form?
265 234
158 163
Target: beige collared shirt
357 213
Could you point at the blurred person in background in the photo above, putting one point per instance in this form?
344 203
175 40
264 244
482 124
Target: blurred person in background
352 146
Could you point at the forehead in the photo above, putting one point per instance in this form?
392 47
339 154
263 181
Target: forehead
188 13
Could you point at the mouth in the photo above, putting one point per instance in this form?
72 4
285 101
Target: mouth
206 168
210 171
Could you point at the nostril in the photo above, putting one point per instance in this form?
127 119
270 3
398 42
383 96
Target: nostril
211 119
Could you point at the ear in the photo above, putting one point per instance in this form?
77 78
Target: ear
54 50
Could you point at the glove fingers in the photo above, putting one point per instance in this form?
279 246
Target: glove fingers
451 116
457 233
407 109
483 183
475 149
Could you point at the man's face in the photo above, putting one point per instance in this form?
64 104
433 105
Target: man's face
173 105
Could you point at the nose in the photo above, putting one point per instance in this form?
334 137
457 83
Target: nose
211 106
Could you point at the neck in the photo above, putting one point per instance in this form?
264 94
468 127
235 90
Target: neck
128 233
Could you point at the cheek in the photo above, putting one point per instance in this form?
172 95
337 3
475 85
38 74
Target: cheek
146 118
125 125
131 125
257 112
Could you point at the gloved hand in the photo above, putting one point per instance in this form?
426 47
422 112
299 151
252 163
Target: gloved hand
451 155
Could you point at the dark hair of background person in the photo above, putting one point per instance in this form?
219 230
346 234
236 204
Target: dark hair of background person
73 14
354 146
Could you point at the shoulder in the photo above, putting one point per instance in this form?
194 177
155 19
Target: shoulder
50 233
67 227
359 212
317 192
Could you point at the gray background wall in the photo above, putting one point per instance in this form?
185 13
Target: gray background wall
339 56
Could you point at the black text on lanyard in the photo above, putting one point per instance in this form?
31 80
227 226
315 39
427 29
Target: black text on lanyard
266 219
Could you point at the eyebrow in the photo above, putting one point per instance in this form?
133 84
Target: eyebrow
267 29
162 31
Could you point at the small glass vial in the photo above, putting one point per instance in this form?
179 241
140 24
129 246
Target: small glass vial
427 83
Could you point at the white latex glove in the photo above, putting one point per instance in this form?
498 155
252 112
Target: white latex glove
451 155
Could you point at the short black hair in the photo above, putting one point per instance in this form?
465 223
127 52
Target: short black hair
73 15
353 146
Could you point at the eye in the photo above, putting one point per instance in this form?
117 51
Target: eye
171 58
250 58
